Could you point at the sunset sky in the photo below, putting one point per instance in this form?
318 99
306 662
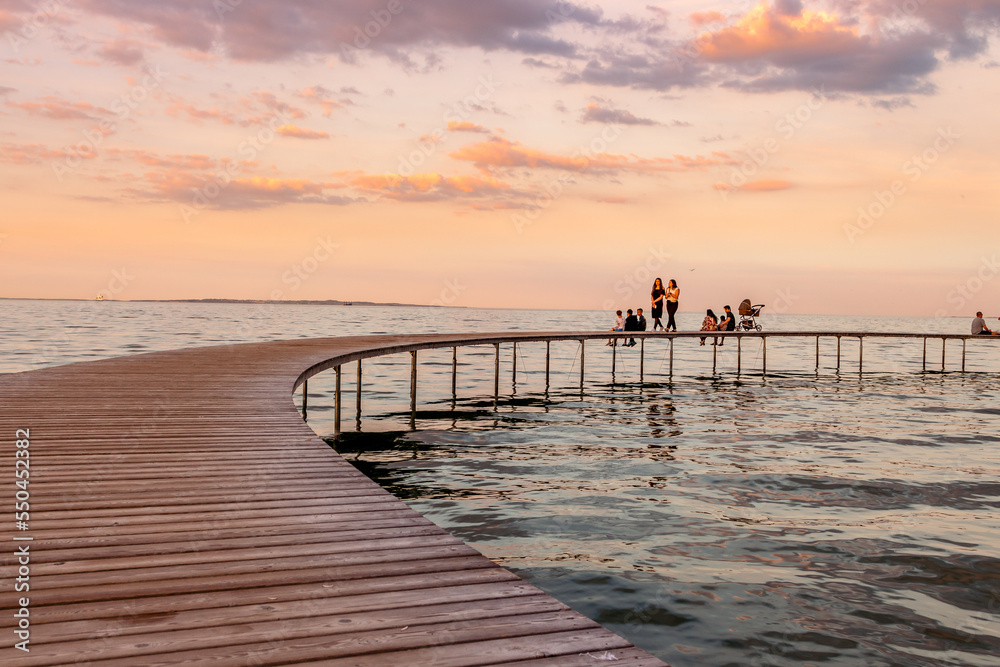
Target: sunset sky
830 156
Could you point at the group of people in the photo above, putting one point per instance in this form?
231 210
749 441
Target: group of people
727 322
661 296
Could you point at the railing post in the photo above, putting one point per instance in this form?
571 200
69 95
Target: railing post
642 359
357 417
336 404
548 345
413 389
305 400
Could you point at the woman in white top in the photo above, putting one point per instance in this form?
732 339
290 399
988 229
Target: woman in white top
673 294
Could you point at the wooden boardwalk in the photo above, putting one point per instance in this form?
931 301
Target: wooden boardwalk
181 512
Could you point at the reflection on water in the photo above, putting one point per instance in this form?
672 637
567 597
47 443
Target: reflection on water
793 520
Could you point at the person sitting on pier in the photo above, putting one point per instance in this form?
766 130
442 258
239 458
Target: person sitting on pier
710 323
979 327
619 326
631 324
727 323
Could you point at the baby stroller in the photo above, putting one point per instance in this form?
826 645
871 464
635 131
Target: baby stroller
747 314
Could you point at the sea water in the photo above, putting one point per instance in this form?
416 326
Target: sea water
809 516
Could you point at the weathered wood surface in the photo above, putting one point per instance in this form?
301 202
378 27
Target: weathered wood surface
183 513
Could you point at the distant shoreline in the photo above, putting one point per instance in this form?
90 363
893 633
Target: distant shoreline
297 302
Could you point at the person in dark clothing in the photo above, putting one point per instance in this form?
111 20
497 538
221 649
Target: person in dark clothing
727 323
658 296
631 324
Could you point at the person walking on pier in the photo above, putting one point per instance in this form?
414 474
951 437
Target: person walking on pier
979 327
658 296
673 294
728 323
710 323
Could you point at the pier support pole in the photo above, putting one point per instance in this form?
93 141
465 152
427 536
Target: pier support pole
548 345
838 353
336 405
413 389
513 373
739 355
817 352
357 417
861 354
454 375
496 375
963 355
944 346
671 358
614 355
305 400
582 358
715 352
764 367
642 359
925 355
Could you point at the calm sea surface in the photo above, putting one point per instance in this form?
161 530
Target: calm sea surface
806 518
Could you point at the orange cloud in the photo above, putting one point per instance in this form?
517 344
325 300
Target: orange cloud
764 32
291 130
466 126
37 153
57 108
704 18
499 152
428 186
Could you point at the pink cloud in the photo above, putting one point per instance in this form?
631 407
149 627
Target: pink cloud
466 126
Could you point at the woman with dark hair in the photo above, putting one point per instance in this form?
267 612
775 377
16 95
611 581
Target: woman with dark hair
673 294
710 323
658 296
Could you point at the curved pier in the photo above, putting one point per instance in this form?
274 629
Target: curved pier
181 511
